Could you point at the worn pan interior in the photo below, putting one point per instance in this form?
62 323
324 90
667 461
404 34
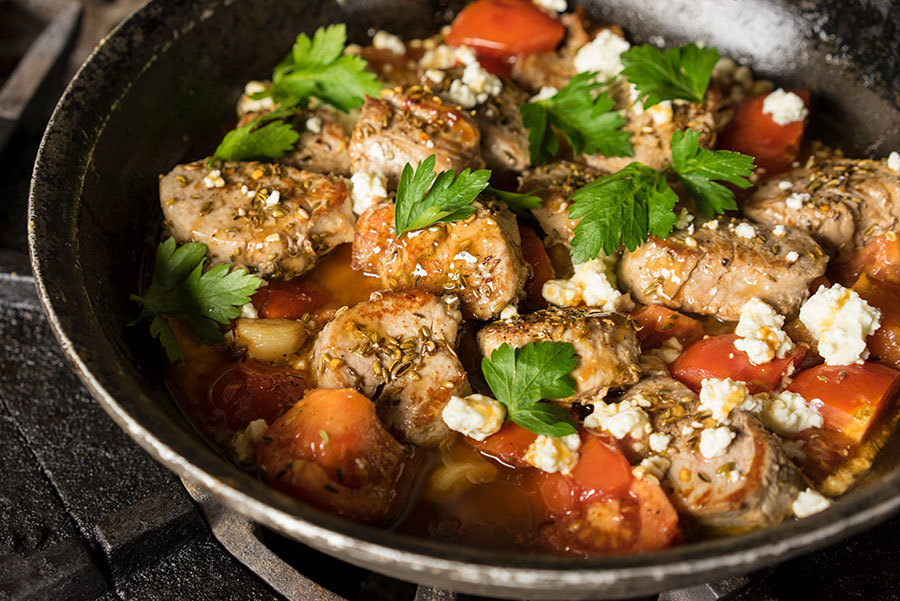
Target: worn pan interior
160 90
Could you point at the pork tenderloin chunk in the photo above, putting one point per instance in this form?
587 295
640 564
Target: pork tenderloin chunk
555 69
842 203
270 218
479 259
408 126
555 183
397 348
751 485
715 271
605 344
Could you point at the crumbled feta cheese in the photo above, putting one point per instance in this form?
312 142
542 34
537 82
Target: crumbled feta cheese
785 107
248 105
475 86
784 185
508 312
787 413
445 57
249 311
461 94
659 442
712 224
554 453
602 55
273 237
435 76
245 442
592 284
214 179
273 199
840 320
558 6
795 201
476 416
745 230
668 351
715 441
367 189
545 93
248 193
314 124
684 221
661 113
893 161
792 256
721 397
388 41
760 334
687 431
809 502
620 419
562 293
691 242
779 231
652 468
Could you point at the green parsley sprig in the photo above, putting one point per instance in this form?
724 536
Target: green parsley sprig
519 203
521 378
582 114
424 198
631 204
266 137
675 74
180 288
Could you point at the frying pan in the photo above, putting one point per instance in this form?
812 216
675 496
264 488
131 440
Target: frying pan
161 89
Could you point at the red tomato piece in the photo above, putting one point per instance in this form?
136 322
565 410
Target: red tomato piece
753 132
508 445
825 452
250 391
659 323
716 357
289 299
884 344
535 254
850 397
880 258
330 450
498 29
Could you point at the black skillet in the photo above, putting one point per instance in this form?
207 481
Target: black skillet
162 87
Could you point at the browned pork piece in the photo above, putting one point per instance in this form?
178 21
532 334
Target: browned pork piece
605 344
721 266
504 139
555 69
398 349
479 259
842 203
408 126
751 485
555 183
275 220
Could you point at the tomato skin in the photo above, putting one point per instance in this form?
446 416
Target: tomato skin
330 450
659 323
249 391
716 357
880 258
851 397
884 344
289 299
535 254
498 29
753 132
508 445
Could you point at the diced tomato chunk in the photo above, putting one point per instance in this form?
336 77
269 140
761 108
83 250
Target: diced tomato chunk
716 357
249 391
498 29
753 132
535 254
884 344
880 258
289 299
850 398
330 450
508 445
659 323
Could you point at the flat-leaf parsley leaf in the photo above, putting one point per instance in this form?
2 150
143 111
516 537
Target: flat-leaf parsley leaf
677 73
267 137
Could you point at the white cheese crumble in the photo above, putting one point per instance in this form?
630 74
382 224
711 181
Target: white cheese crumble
475 86
273 237
787 413
785 107
367 190
795 201
792 257
809 502
652 468
593 284
893 161
388 41
715 441
214 179
721 396
248 193
668 351
659 442
273 199
712 224
476 416
620 419
249 105
245 442
779 231
249 311
558 6
508 312
602 55
661 113
685 221
745 230
760 334
553 453
840 320
445 57
545 93
784 185
314 124
435 76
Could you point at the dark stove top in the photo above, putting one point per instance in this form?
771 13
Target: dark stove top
86 514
